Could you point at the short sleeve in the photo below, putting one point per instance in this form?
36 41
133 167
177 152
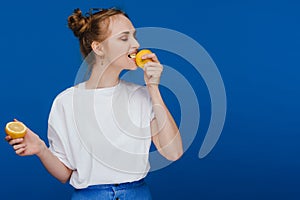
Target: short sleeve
58 144
148 102
151 111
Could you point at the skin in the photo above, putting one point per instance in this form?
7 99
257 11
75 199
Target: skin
111 59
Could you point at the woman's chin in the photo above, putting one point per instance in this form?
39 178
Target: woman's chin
132 67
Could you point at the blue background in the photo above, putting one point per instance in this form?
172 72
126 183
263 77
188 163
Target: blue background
255 45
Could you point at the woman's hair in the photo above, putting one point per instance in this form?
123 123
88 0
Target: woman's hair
91 27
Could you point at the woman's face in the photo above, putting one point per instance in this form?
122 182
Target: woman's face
120 44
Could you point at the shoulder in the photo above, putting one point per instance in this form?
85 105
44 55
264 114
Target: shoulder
62 99
64 96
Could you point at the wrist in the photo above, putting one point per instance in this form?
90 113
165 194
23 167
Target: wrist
155 94
152 86
42 149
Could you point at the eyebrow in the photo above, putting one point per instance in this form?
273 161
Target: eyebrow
127 33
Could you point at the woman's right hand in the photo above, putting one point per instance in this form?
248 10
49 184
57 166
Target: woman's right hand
30 144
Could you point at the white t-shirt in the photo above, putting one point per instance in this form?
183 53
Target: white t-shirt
103 135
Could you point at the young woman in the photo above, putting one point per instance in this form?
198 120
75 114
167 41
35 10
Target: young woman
100 131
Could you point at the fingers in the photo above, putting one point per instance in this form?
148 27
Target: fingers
151 56
153 72
7 138
15 141
20 151
19 146
154 67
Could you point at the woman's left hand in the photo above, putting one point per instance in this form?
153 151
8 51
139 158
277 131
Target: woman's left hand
152 70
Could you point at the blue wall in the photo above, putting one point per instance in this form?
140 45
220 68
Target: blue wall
255 45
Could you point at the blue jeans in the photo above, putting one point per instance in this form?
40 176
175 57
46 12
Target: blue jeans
137 190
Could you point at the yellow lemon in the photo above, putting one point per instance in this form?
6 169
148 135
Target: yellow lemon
138 59
15 129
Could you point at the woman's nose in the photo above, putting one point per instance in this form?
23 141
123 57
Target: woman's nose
135 43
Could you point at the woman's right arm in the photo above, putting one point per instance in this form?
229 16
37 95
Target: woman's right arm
31 144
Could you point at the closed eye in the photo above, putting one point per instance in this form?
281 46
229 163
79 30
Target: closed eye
124 39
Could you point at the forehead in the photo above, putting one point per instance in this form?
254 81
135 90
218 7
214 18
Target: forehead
120 23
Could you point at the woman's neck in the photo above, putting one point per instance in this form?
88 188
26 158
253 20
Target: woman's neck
103 78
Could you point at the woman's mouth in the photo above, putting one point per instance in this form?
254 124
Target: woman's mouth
132 55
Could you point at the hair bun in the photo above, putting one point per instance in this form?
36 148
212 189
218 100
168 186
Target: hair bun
78 23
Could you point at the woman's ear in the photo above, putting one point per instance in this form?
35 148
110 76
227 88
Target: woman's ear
97 48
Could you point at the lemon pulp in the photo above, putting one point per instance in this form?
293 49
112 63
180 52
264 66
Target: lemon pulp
15 129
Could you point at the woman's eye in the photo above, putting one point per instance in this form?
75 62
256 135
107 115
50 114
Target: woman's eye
124 39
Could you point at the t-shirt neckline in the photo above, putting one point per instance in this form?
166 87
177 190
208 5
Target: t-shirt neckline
105 90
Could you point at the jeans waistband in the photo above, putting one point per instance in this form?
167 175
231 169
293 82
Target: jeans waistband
117 185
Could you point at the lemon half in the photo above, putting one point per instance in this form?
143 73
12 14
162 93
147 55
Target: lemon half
15 129
138 59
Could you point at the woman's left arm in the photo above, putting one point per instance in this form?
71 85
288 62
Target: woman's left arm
165 133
